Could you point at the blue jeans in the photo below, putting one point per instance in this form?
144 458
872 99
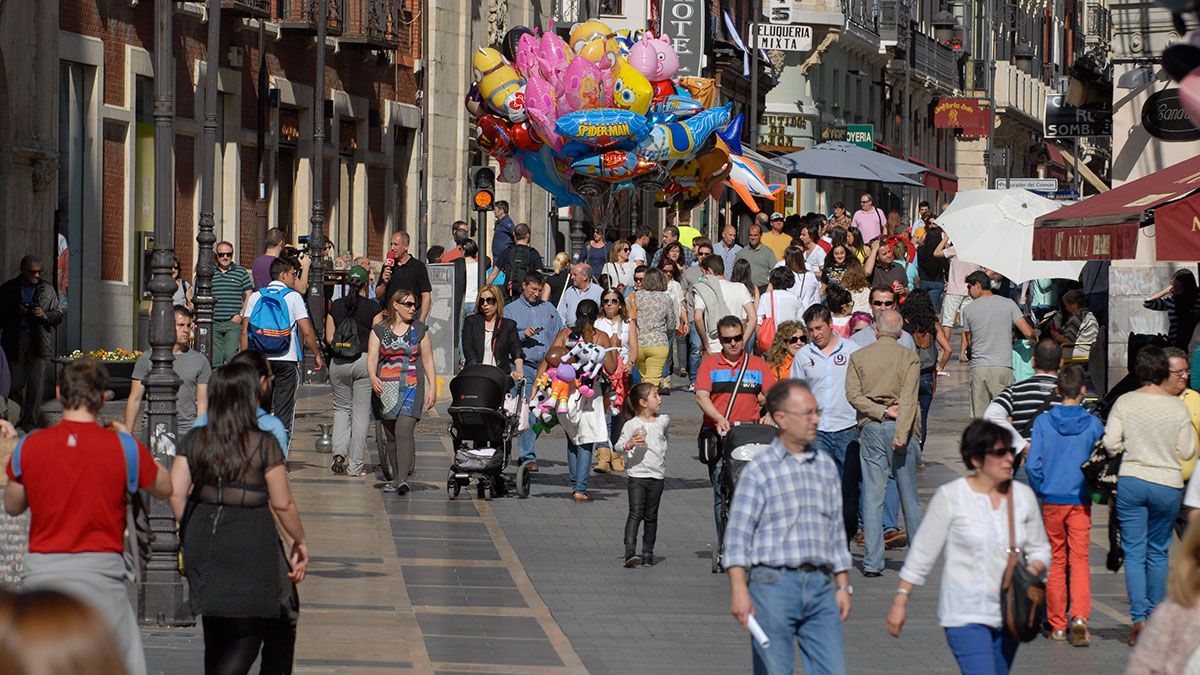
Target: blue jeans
891 504
579 464
834 444
876 456
693 354
527 439
793 605
981 650
936 290
1146 512
925 399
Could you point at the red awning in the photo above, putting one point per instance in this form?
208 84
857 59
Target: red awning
1074 232
933 178
1177 230
1058 164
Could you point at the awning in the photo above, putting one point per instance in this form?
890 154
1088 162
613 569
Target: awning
933 178
1105 226
1177 230
773 171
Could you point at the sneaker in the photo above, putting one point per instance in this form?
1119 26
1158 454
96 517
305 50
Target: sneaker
895 539
339 464
357 474
632 560
648 559
870 574
664 390
400 488
1079 632
692 387
1059 636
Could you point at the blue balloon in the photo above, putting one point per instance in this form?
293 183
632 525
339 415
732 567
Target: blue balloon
544 174
681 140
732 135
603 127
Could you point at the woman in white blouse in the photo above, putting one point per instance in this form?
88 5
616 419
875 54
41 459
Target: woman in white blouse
968 519
806 287
619 269
779 302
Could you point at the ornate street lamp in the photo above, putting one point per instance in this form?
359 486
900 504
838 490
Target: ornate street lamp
316 257
1023 57
206 238
944 27
160 597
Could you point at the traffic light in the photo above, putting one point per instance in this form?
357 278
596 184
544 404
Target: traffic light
483 188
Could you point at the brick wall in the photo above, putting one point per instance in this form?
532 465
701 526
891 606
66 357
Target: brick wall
112 228
185 187
247 231
376 208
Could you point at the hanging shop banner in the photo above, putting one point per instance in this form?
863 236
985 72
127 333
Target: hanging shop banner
683 20
969 114
790 38
1164 118
1064 120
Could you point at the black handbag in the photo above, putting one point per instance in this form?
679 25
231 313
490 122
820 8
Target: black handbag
1100 472
1022 594
709 444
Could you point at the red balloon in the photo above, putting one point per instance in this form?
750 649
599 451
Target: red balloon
662 89
494 136
524 137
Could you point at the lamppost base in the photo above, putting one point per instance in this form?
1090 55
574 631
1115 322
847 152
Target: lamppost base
161 600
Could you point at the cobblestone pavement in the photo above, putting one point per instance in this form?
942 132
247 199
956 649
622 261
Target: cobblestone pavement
427 584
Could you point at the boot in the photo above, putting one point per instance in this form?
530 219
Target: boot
603 460
618 462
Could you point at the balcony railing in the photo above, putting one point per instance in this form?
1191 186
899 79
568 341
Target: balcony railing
376 24
1021 92
861 13
935 60
258 9
301 15
894 22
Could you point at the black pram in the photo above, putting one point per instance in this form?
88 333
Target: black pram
483 424
738 447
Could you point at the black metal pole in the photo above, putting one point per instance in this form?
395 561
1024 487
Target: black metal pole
204 300
160 598
481 227
260 203
316 257
755 17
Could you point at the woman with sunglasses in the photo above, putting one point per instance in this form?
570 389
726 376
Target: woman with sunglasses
619 269
403 379
968 521
584 423
491 339
789 338
183 290
614 322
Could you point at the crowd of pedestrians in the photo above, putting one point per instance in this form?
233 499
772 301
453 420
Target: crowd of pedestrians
833 330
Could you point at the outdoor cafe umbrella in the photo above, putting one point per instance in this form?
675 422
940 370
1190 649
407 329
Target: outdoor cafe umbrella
994 228
847 161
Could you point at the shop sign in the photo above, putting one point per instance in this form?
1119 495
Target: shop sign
787 38
968 114
1064 120
1164 118
1099 242
683 20
779 131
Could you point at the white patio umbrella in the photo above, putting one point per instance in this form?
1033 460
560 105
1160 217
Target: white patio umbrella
994 228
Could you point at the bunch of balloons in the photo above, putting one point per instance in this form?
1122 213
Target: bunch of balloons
592 120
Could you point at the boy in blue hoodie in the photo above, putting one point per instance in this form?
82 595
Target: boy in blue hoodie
1063 438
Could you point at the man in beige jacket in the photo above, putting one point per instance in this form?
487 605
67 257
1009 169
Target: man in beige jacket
881 385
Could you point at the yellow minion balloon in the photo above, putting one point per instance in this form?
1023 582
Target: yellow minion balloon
499 84
631 90
583 33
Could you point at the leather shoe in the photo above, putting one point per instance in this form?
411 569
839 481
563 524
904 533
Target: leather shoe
895 539
871 574
1133 633
531 466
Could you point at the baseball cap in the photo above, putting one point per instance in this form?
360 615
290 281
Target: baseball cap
358 275
777 216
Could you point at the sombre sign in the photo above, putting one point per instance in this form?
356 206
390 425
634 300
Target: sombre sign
1164 118
788 38
683 20
1064 120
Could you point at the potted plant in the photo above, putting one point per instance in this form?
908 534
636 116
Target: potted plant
119 364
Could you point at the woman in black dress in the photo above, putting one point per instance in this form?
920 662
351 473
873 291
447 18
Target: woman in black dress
227 480
490 338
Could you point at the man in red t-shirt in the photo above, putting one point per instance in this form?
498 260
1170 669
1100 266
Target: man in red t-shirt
72 477
715 383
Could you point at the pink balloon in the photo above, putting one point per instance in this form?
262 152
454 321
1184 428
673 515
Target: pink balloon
543 109
643 57
668 60
526 57
553 57
1189 95
581 87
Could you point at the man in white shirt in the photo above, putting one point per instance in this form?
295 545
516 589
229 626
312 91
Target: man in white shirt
285 367
581 288
637 248
714 297
814 255
822 363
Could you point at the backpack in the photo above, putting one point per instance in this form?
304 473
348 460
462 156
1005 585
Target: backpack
138 535
270 329
345 343
520 263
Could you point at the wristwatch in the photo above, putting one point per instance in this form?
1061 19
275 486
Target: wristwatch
848 588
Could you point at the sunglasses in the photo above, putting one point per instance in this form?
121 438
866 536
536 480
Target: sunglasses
487 300
1000 452
612 301
225 255
732 339
883 303
865 201
409 304
795 339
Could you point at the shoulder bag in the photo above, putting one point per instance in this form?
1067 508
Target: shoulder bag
1022 594
766 332
710 443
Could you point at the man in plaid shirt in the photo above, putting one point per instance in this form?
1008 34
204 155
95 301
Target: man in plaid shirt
785 543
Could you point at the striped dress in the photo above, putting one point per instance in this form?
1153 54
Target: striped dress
401 372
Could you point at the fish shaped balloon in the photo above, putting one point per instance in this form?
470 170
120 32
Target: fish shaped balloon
747 180
682 139
603 127
613 166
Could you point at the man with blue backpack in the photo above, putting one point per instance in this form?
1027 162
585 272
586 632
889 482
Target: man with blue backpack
274 321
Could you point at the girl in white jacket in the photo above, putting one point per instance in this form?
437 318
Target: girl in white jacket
644 439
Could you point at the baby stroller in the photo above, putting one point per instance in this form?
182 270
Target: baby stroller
738 447
483 423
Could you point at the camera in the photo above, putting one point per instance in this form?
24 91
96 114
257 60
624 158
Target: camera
304 249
